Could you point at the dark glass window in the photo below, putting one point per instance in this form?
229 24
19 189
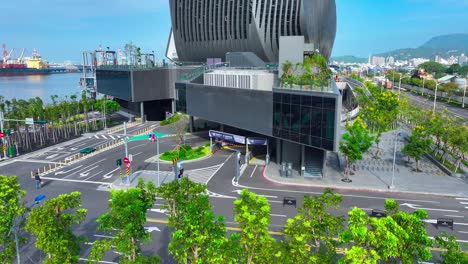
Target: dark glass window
316 122
296 99
317 102
286 98
277 115
277 97
286 116
296 118
305 120
329 103
306 100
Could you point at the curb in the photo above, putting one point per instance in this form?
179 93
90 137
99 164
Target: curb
354 189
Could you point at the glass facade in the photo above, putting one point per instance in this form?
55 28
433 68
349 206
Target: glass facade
115 83
304 119
181 97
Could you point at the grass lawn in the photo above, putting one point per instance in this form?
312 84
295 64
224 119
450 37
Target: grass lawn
187 153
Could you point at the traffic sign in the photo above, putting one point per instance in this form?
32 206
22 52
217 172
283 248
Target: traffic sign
126 160
29 121
128 165
2 134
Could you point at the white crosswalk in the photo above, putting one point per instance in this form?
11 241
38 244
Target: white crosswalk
113 137
203 175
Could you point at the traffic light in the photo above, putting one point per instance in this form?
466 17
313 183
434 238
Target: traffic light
119 162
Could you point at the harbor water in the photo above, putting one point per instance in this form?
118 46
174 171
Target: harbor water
44 86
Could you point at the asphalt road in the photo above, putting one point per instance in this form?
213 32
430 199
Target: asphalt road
93 175
428 103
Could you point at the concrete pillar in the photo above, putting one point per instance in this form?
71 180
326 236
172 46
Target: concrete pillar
302 168
191 124
278 151
173 106
142 112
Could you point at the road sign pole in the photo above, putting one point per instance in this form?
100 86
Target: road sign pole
157 153
125 138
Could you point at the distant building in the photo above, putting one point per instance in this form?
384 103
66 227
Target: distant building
462 60
416 61
390 60
376 61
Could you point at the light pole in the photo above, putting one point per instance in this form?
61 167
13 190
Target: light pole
435 98
17 222
464 93
104 106
422 91
392 186
157 153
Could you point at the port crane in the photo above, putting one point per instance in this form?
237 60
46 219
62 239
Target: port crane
20 58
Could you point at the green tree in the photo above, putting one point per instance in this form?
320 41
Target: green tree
125 222
52 224
252 212
356 141
454 253
198 236
450 88
309 236
400 237
419 143
432 66
10 210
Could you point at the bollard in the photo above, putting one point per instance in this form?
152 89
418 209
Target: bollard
38 171
55 165
44 169
32 174
50 166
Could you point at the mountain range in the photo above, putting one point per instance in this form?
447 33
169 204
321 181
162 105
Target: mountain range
444 46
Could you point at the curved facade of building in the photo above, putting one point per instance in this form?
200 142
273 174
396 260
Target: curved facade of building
211 28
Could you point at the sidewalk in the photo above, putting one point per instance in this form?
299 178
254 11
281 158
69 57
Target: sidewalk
375 175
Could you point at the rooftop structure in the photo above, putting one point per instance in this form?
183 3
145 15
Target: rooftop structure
211 28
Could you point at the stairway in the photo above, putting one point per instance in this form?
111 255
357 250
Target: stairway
313 163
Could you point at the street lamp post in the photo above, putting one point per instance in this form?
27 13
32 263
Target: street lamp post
435 98
18 222
392 186
422 91
157 153
105 118
464 93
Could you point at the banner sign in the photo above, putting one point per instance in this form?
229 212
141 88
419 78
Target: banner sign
227 137
257 141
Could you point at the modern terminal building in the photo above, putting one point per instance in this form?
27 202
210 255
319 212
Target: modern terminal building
235 50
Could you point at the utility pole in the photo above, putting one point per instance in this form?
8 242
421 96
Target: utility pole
105 118
125 138
392 186
464 93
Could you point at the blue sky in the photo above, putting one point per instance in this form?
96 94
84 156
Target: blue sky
61 29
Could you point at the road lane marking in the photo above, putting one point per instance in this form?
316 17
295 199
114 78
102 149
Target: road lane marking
109 174
86 173
278 215
320 193
37 161
52 156
103 236
134 155
434 221
112 137
463 202
63 172
100 261
99 161
459 216
93 176
71 180
466 199
463 232
251 175
96 136
415 206
267 196
138 146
